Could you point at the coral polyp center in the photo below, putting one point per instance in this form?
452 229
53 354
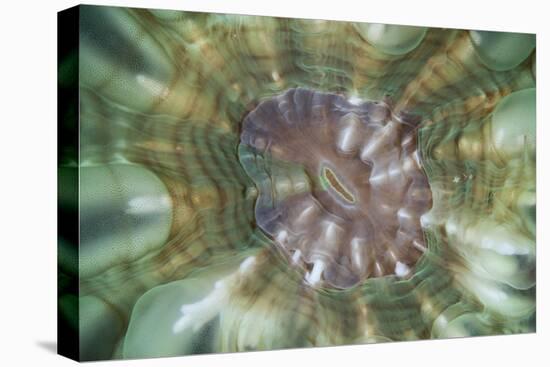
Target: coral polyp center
340 186
332 181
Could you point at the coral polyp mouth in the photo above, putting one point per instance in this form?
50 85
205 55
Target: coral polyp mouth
341 189
331 180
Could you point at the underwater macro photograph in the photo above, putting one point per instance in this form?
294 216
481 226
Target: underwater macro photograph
232 183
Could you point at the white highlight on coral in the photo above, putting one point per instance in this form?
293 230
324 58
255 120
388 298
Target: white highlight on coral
401 269
195 315
404 214
427 220
419 246
357 246
416 157
380 139
350 134
155 87
376 31
364 155
332 233
347 140
409 165
355 100
296 256
501 240
148 205
314 277
394 172
247 264
378 178
282 236
306 215
451 226
378 269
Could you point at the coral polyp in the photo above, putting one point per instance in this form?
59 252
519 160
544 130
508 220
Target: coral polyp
255 183
340 185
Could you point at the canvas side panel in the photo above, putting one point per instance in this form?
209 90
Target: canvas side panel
67 174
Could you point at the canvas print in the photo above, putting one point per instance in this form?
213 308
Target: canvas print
233 183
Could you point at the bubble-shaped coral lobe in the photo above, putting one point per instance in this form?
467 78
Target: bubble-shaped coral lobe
340 185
